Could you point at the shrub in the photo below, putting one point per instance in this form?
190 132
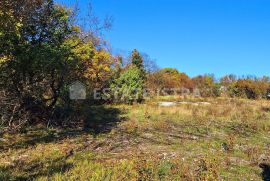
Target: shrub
128 87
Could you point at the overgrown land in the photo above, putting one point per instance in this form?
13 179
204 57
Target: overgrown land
213 129
227 140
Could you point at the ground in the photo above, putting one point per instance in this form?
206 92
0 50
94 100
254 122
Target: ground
228 139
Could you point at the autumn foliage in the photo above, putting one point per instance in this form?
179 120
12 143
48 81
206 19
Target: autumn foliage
43 50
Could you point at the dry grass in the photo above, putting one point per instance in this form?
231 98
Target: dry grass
226 140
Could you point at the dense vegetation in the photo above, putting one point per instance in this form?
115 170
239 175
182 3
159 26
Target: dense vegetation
43 49
121 135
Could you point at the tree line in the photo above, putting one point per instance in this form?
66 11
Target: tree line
44 49
249 87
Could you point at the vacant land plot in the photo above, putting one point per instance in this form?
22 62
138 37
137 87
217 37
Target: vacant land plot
227 139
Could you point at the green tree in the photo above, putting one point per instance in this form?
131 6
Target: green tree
137 60
128 87
41 52
37 59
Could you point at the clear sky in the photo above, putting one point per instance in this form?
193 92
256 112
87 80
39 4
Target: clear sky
194 36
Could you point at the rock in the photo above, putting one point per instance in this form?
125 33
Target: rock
167 104
184 102
195 103
204 103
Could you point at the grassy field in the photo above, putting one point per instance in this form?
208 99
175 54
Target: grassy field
228 139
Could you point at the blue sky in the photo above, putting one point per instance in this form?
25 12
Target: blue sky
194 36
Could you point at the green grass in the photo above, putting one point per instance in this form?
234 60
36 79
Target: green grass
226 140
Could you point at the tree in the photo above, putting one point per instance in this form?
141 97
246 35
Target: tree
150 65
41 52
37 58
250 88
137 61
206 85
170 79
228 80
128 87
129 82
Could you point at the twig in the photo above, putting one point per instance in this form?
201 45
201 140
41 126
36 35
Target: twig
12 116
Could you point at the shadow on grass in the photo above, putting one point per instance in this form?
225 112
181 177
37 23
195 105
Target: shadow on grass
96 120
35 169
100 120
266 171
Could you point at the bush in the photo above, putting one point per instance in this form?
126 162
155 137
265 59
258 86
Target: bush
207 86
42 52
128 87
251 89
